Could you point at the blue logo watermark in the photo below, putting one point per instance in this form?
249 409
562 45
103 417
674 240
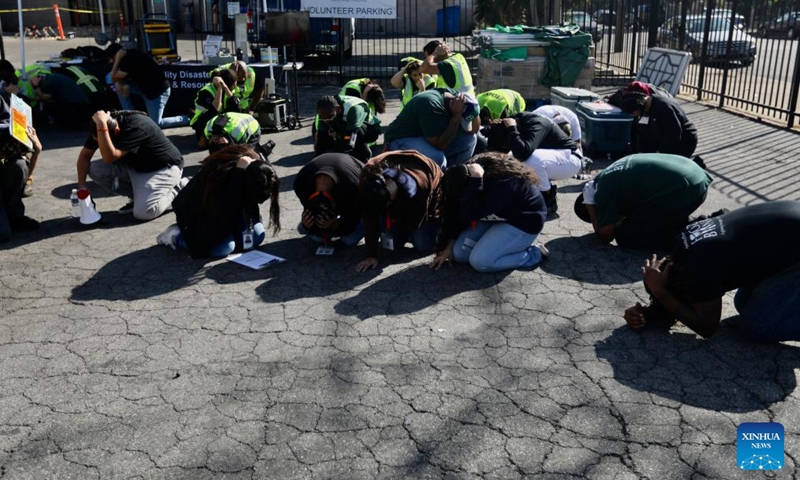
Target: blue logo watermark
759 446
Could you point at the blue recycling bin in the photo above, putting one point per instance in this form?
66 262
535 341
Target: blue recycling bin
448 21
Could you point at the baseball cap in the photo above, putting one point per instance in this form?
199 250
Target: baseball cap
471 111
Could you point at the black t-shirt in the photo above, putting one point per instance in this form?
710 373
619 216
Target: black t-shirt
148 149
668 129
738 249
344 170
145 72
535 131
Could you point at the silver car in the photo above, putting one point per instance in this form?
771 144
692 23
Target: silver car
743 46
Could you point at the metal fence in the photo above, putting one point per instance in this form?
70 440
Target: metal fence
745 52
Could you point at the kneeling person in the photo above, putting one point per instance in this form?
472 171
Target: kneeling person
218 212
328 189
643 200
137 161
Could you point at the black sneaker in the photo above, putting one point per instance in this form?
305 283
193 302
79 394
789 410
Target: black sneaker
550 200
24 224
127 208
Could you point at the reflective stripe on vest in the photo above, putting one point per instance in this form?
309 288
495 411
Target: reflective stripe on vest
350 102
356 84
199 109
239 126
85 80
463 75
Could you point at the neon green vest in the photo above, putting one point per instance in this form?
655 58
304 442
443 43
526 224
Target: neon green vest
241 127
500 100
199 109
25 87
463 75
244 91
88 82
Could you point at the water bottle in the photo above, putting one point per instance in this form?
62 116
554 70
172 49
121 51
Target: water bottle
75 202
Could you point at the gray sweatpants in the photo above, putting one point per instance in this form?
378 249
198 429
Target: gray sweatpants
152 192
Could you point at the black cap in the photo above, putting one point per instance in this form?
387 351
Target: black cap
580 209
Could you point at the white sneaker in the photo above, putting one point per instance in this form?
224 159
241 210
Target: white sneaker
543 249
169 236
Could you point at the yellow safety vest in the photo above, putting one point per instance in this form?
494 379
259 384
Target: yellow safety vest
463 75
199 109
501 100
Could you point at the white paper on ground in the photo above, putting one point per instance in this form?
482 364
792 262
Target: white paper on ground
255 259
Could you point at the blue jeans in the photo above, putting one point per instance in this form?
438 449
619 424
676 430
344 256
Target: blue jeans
496 246
155 107
459 151
770 311
227 246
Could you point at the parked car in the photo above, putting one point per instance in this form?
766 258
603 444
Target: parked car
740 20
743 46
787 25
640 16
606 17
584 21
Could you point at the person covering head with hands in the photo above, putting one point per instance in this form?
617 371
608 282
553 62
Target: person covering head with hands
492 213
643 200
327 187
245 90
13 173
145 79
214 98
411 81
138 161
440 124
542 145
218 212
752 249
451 69
344 125
399 197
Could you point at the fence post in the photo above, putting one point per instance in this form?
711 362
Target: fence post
728 55
634 46
652 28
704 48
795 85
58 22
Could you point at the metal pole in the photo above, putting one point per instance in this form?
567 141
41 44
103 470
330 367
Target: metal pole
102 20
21 39
2 47
652 32
795 84
728 55
704 49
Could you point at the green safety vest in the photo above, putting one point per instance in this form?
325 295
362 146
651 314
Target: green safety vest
408 87
242 92
463 75
88 82
199 110
25 87
501 100
241 127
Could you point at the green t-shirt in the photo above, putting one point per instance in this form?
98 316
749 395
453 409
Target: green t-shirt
655 181
425 115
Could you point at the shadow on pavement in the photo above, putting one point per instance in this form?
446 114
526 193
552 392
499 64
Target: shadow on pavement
141 274
296 160
584 259
414 289
725 373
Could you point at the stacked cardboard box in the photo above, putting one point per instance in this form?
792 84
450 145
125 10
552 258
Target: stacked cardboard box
525 76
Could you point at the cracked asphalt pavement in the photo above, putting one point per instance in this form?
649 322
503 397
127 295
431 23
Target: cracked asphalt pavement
120 358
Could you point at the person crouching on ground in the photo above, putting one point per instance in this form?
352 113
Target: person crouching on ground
752 249
218 212
137 161
327 187
643 200
492 213
214 98
399 197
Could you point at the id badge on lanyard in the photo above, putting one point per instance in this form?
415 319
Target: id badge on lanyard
387 239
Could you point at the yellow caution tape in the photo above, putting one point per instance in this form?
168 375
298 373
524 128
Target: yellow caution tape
27 10
86 11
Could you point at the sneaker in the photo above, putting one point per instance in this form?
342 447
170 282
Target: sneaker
127 208
28 190
169 237
550 200
24 224
543 249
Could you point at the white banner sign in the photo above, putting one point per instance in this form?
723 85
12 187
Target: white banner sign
350 8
